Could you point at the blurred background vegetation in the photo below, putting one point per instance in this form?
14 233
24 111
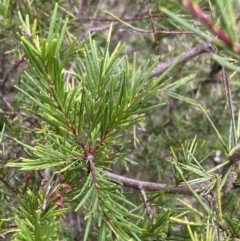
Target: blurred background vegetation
147 145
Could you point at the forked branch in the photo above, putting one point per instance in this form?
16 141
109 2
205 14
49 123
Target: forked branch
201 48
151 186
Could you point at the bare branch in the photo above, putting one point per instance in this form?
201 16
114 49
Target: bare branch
6 183
10 108
150 186
229 99
15 66
146 204
153 29
101 28
94 16
204 47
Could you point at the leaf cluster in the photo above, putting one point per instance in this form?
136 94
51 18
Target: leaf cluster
83 111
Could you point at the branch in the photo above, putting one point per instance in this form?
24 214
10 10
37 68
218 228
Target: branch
16 64
94 16
131 19
146 204
204 47
230 101
150 186
6 183
153 29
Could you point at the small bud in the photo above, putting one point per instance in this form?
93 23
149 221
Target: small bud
66 186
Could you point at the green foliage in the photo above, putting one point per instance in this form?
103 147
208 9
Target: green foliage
104 98
40 218
82 119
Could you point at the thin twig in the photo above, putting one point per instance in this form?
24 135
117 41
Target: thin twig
89 161
146 204
101 28
151 186
229 96
153 29
204 47
8 186
147 31
139 18
15 66
10 108
7 112
94 16
228 170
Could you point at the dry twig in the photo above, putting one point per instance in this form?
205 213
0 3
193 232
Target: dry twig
201 48
151 186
